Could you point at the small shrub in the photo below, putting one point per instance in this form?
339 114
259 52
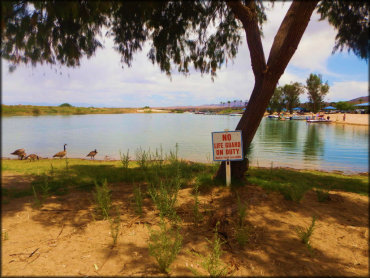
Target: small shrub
305 234
197 214
115 227
102 198
293 193
165 197
213 263
142 158
125 159
204 182
173 156
158 157
45 188
164 245
322 195
36 202
138 199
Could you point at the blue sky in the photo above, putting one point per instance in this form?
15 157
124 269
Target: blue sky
101 82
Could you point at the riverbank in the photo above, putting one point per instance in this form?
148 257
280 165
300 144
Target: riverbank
341 118
31 110
54 206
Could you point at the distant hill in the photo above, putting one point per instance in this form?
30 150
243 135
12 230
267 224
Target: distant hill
359 100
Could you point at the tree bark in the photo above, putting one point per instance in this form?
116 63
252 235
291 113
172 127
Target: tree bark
266 75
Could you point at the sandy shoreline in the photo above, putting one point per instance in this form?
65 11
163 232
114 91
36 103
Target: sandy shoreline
338 118
354 119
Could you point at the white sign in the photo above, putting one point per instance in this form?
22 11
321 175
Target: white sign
227 145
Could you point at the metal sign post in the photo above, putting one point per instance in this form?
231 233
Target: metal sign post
227 146
228 173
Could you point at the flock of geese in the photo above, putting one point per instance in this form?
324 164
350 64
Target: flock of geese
21 153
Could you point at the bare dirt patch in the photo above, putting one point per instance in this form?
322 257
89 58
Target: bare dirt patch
63 238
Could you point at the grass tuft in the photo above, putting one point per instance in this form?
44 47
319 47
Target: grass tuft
102 196
138 200
305 234
164 245
164 196
213 263
115 225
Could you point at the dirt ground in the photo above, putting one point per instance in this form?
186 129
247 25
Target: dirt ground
62 238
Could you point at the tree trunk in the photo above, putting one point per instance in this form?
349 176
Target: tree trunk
266 75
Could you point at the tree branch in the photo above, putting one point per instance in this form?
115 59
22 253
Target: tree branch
289 35
248 16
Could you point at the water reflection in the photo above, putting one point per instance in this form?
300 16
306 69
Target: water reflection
314 146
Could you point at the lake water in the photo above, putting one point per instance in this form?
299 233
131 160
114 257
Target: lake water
278 143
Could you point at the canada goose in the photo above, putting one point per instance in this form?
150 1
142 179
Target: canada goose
20 152
32 157
92 154
62 153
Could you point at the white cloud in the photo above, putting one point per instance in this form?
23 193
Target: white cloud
347 90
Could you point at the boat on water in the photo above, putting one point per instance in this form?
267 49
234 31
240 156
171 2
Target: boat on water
319 121
236 114
273 116
296 117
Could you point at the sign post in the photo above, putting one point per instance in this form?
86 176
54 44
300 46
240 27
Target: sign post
227 146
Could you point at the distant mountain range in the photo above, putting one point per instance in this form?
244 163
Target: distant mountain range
359 100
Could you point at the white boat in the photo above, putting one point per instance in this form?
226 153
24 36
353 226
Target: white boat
273 116
318 121
296 117
236 114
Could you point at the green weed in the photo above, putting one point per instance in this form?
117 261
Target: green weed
45 188
293 192
164 245
197 214
164 197
305 234
204 182
138 199
158 158
322 195
115 224
36 202
213 263
102 196
142 158
125 159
